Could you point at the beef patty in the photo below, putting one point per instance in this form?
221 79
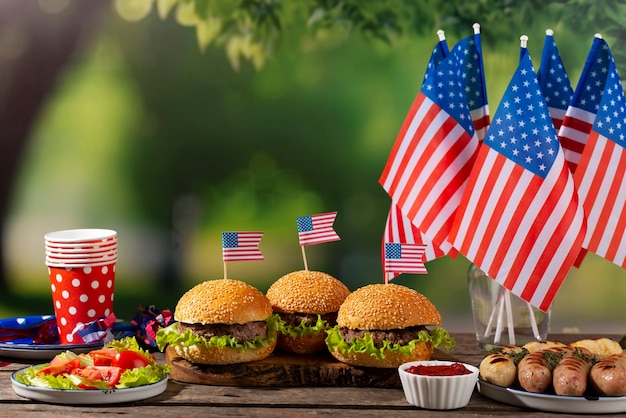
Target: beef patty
240 332
399 336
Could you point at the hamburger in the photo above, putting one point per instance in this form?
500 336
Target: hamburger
222 321
385 325
307 303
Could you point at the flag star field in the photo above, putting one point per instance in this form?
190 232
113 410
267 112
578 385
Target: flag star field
523 130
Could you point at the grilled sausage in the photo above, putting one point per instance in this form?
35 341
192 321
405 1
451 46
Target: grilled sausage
570 375
608 376
499 369
534 371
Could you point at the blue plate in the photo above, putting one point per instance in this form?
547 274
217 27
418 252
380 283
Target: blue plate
24 347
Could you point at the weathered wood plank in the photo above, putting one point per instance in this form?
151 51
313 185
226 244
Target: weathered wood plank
188 399
283 369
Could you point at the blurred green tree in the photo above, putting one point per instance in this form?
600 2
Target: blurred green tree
39 43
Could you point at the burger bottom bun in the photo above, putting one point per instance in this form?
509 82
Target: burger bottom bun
201 354
308 344
422 351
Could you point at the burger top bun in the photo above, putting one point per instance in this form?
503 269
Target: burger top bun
222 301
306 291
386 306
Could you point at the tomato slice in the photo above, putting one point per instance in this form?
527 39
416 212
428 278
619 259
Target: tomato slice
129 359
91 375
103 356
59 365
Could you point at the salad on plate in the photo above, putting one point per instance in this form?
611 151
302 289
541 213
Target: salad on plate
118 364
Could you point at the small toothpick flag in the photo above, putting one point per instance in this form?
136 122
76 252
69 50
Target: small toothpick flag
316 229
405 258
241 246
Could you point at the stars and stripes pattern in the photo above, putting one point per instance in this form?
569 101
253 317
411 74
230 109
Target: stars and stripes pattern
399 229
601 175
469 54
405 258
317 229
581 113
241 246
520 219
433 153
554 82
96 331
438 54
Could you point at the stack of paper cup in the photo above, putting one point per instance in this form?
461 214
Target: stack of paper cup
81 266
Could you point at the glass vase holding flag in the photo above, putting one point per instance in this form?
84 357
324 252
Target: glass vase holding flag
500 317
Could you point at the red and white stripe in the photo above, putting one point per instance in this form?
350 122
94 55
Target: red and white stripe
601 182
427 168
521 229
573 134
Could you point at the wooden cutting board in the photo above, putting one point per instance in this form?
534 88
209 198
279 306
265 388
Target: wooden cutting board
286 369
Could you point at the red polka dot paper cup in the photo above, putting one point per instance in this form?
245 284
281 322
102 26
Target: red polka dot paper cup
80 296
81 266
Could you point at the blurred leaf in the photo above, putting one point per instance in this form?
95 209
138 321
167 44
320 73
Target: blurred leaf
133 10
207 31
164 7
234 50
186 14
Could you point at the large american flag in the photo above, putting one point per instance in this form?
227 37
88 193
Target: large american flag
433 153
581 113
316 229
241 246
469 53
520 219
601 175
405 258
554 82
398 227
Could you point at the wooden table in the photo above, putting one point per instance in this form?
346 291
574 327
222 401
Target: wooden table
186 400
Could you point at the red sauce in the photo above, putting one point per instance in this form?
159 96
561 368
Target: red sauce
454 369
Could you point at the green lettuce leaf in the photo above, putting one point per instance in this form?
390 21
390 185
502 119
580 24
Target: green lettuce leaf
439 337
143 376
302 330
171 335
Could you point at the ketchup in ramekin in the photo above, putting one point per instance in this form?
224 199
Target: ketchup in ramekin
454 369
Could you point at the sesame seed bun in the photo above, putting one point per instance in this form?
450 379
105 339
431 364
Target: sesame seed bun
386 306
306 291
222 301
200 354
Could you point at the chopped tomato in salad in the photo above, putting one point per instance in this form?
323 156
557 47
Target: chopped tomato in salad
120 364
93 377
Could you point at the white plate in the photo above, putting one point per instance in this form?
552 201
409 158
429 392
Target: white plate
553 403
87 397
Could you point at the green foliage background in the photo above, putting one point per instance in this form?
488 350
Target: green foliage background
186 122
